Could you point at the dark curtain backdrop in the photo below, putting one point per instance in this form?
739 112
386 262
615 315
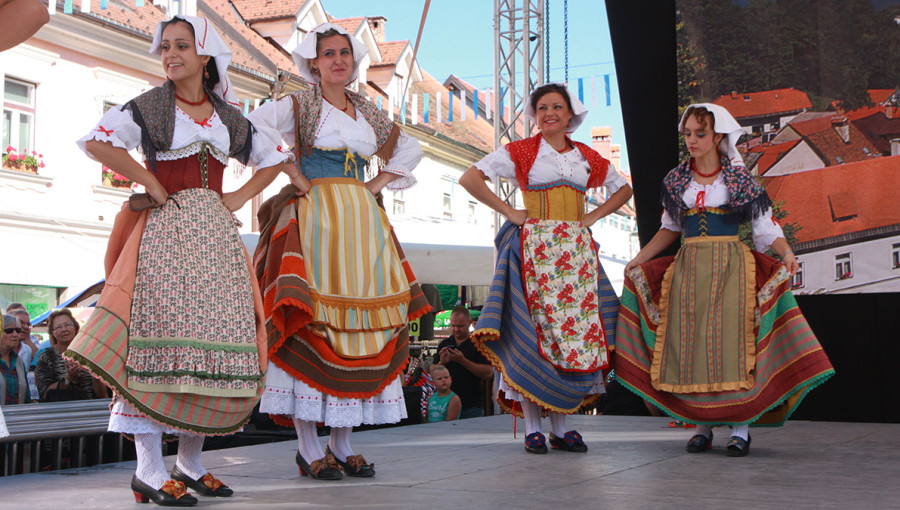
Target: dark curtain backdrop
858 331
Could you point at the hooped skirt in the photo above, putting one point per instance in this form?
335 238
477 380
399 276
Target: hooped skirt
510 338
714 336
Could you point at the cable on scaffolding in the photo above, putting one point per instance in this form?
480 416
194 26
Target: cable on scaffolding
566 37
546 41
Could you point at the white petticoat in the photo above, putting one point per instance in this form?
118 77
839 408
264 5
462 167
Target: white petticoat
126 419
287 396
598 388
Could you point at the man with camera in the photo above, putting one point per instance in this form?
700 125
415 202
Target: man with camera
467 366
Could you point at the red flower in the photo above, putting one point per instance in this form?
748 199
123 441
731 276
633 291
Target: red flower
41 165
572 358
567 326
10 148
585 271
543 280
560 231
589 302
13 157
563 263
565 295
539 252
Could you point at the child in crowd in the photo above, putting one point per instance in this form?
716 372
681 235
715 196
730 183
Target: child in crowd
444 405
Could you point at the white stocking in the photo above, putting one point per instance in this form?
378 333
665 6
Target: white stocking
705 430
532 416
150 467
189 448
340 442
558 424
741 431
308 441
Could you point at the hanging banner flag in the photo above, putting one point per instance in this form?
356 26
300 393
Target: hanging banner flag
67 7
437 102
415 109
450 106
425 107
581 90
475 103
104 4
379 103
606 82
85 5
488 104
594 90
403 113
462 104
139 3
246 107
255 104
390 107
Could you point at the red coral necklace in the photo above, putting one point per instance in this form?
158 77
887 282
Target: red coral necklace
192 103
701 174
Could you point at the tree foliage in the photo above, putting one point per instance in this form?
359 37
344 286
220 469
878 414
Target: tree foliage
832 49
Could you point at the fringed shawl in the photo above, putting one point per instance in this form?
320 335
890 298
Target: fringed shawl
748 197
154 112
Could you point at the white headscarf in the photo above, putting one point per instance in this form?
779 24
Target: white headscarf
579 112
306 51
726 125
207 42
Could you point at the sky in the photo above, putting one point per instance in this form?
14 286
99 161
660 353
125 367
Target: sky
459 39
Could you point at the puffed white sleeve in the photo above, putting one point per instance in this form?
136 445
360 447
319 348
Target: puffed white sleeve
406 157
765 230
614 180
275 120
264 152
117 127
498 164
668 223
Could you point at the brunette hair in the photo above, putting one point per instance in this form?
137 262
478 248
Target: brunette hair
211 79
703 116
62 312
330 33
543 90
438 367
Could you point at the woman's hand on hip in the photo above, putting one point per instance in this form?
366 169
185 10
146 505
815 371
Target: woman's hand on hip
517 216
233 201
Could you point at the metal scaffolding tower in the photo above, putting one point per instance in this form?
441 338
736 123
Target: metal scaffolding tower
518 41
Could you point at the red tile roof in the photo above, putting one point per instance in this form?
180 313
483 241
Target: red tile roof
880 130
771 154
840 200
823 139
349 24
259 10
764 103
390 51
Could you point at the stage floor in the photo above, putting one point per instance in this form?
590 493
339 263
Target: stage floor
633 462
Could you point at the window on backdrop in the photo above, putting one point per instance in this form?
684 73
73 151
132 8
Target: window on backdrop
18 114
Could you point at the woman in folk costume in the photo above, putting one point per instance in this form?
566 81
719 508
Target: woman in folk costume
713 335
338 292
550 319
177 330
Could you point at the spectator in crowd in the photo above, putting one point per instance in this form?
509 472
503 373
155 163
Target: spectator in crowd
444 405
467 366
29 16
57 378
29 350
14 383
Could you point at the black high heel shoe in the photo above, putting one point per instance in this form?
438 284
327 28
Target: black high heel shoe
172 493
207 485
355 465
325 468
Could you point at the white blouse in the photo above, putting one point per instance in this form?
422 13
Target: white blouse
549 166
118 128
337 130
765 229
